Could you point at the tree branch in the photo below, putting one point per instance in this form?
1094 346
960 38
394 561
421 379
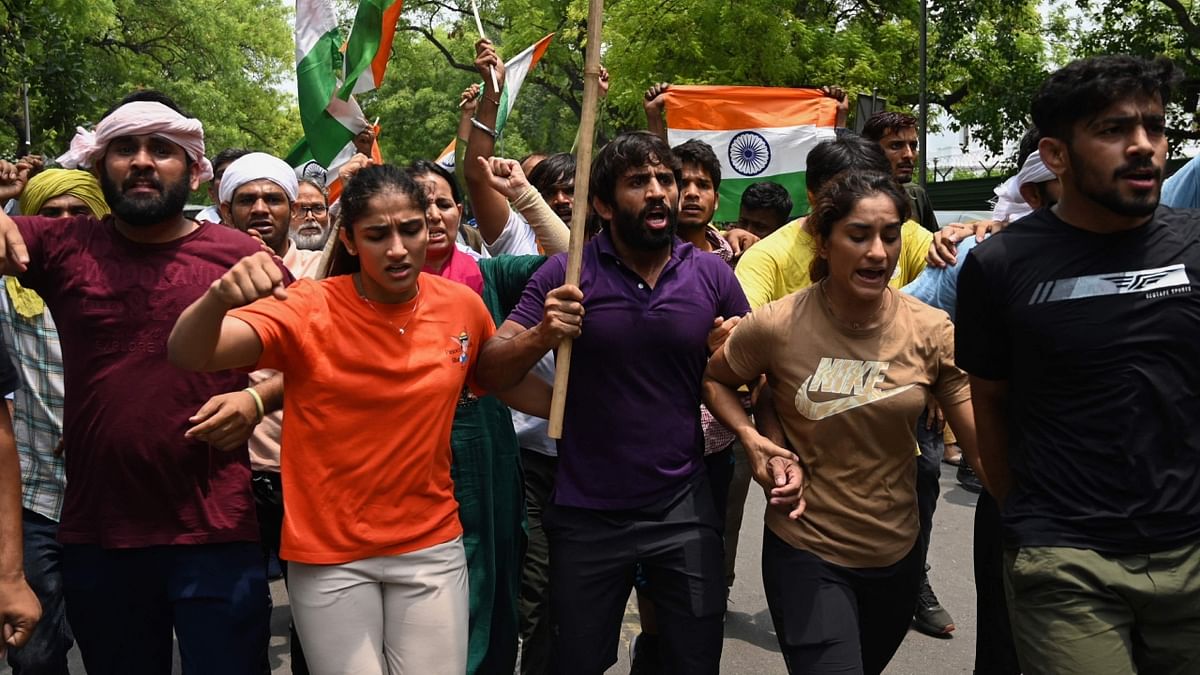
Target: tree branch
262 140
429 35
538 78
1184 19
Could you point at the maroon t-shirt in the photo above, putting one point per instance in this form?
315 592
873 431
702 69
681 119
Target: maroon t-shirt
133 480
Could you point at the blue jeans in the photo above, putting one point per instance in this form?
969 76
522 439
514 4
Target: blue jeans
929 473
46 651
124 604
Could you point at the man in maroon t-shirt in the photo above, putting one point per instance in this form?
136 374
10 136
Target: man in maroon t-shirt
158 529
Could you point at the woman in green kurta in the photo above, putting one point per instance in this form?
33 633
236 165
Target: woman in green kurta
486 468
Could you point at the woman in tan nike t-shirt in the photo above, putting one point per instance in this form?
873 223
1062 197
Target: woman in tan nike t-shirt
851 364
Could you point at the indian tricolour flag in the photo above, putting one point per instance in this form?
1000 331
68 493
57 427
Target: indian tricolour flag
328 112
370 45
758 133
516 70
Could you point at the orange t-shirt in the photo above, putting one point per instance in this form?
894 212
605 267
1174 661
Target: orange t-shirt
366 461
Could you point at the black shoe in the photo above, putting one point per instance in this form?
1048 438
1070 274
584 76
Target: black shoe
931 618
967 479
643 655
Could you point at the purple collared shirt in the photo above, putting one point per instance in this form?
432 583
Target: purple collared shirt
631 432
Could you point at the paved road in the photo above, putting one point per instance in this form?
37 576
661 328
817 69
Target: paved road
750 646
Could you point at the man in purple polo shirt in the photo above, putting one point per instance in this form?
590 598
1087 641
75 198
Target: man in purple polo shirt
631 486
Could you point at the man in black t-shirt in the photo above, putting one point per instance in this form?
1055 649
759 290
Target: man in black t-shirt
1079 326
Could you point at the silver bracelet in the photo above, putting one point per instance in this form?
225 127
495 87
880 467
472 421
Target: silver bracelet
483 127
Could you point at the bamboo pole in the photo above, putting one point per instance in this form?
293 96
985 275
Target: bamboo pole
327 255
583 172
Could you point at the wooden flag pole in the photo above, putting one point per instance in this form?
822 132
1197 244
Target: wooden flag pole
583 172
331 243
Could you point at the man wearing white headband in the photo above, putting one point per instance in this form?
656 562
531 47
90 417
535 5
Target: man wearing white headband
1025 192
258 194
158 528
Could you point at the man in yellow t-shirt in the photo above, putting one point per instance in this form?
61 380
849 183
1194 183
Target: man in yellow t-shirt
778 265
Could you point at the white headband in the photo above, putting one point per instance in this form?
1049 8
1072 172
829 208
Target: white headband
258 166
138 119
1010 205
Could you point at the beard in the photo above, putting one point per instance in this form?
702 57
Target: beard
1132 206
311 242
632 229
144 211
564 212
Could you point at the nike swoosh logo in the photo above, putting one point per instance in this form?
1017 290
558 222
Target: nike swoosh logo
814 410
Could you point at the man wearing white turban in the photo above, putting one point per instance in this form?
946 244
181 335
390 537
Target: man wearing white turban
158 528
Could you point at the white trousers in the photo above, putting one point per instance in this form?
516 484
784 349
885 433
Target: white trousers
384 616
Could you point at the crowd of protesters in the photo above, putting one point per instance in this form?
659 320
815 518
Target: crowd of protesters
353 396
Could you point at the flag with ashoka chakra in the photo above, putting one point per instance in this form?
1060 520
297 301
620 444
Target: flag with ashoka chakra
758 133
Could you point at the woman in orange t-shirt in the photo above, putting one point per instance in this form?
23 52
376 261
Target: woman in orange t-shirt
374 364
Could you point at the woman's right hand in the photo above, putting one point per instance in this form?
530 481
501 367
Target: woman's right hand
253 277
778 471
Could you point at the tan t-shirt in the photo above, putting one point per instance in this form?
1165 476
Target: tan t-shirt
849 402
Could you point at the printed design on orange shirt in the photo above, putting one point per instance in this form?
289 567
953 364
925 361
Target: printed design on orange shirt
855 382
462 348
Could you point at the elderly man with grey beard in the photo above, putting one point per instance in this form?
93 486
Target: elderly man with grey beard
310 220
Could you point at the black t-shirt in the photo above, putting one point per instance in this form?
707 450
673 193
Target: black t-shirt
1098 337
922 209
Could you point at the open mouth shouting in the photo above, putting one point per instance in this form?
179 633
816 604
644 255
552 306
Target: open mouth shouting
691 211
872 276
656 216
400 271
437 236
263 226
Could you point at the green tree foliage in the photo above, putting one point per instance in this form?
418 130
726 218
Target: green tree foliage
222 62
986 56
1149 28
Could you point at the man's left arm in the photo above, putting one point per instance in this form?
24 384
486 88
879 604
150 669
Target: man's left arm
983 349
989 403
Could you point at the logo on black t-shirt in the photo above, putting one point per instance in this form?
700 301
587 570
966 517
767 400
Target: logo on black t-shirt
1155 283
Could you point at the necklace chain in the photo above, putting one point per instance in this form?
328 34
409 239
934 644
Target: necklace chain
854 325
398 329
